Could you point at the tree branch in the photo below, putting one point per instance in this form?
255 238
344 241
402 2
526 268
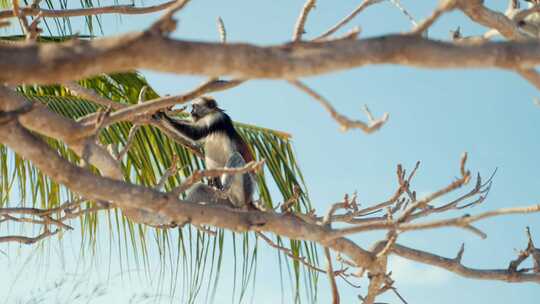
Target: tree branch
45 122
454 265
115 9
347 19
342 120
28 240
331 277
62 62
300 23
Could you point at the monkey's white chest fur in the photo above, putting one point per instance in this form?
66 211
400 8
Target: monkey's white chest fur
217 149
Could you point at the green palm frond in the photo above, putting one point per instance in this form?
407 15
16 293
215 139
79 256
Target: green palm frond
198 254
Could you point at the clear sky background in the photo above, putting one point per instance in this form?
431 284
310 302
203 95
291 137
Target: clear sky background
435 115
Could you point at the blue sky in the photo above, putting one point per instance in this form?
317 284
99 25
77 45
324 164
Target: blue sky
435 115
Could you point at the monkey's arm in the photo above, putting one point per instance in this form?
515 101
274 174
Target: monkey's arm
186 129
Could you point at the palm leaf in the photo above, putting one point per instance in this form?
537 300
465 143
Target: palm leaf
199 255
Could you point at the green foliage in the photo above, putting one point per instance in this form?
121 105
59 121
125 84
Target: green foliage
197 253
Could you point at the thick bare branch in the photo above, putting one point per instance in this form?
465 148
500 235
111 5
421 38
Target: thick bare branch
132 196
45 122
506 26
62 62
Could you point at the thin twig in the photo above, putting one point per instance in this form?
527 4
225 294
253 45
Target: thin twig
129 141
331 277
28 240
34 30
460 222
173 168
405 12
444 6
16 12
342 120
92 96
347 19
300 23
221 30
289 253
205 230
287 205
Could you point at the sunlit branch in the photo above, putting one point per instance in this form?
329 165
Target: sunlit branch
344 122
114 9
300 23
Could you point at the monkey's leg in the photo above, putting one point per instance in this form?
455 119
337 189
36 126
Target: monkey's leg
238 186
201 193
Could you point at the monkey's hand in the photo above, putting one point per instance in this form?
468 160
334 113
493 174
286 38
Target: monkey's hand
159 115
215 182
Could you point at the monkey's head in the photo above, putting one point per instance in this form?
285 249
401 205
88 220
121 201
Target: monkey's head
203 107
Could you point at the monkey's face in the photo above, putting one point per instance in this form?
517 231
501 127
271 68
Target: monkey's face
203 108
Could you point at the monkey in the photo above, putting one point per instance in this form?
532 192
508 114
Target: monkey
530 25
223 148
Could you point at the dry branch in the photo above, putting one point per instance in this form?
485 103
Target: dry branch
460 222
506 26
331 277
62 62
444 6
173 168
288 252
344 122
92 96
455 266
347 19
221 30
45 122
300 23
28 240
404 11
115 9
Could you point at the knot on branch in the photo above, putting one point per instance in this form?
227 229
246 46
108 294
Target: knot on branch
9 116
166 24
529 251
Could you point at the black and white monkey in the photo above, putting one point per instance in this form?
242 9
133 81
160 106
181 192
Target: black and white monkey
223 148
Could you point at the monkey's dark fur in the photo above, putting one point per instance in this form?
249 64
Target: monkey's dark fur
224 148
